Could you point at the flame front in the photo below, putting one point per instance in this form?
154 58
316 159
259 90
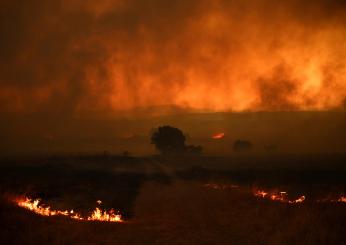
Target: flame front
281 196
97 214
273 195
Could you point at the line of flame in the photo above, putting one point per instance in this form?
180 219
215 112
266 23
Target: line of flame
281 196
97 214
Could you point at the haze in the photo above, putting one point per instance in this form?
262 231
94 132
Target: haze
85 75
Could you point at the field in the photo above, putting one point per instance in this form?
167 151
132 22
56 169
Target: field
177 200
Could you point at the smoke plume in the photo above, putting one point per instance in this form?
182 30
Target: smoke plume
82 56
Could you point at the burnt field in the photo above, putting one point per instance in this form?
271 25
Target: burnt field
177 200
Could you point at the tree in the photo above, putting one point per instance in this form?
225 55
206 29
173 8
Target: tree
168 140
242 146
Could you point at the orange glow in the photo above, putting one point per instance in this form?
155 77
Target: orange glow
218 136
276 196
110 216
281 196
262 194
97 214
342 199
299 200
206 56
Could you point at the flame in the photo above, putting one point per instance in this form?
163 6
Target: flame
276 196
281 196
97 214
299 200
218 136
342 199
262 194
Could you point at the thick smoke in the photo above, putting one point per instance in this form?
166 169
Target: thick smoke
83 56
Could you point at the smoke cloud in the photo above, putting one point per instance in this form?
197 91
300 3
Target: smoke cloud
82 56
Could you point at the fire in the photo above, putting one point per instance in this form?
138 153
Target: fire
262 194
276 196
299 200
281 196
218 136
97 214
342 199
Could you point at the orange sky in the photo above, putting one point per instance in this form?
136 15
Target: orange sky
210 55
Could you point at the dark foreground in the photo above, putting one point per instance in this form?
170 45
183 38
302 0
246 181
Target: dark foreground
165 200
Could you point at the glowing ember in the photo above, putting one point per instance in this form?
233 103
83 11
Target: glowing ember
278 196
97 214
342 199
262 194
218 136
299 200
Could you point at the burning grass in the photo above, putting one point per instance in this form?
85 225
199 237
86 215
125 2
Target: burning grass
280 196
44 210
272 195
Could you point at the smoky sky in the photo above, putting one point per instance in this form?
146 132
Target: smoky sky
83 56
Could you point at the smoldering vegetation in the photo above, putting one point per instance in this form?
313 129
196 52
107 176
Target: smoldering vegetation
165 199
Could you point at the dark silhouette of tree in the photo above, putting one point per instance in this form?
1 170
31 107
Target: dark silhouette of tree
168 140
242 146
